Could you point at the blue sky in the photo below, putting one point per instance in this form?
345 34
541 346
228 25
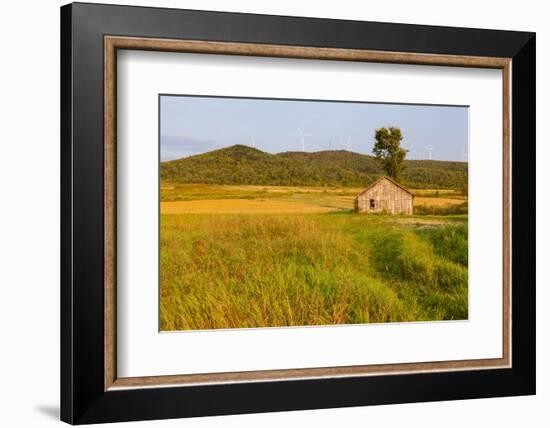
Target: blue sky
190 125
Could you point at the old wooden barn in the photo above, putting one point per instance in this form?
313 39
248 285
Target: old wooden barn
385 196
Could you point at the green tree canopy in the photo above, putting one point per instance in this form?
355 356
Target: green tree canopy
388 151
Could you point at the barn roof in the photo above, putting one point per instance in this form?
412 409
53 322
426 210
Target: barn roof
384 177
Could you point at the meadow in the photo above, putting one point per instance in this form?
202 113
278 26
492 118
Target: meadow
204 199
270 256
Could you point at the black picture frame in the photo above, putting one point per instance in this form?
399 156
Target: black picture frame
83 398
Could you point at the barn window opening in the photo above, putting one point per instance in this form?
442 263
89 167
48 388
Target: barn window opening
372 204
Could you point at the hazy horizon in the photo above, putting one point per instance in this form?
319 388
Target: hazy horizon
191 125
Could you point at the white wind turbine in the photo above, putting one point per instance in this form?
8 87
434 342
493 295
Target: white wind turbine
345 145
462 154
303 136
348 145
253 141
429 149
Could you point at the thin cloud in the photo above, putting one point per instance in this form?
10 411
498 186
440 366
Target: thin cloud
179 146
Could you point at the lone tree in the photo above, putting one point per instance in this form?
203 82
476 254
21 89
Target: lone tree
388 151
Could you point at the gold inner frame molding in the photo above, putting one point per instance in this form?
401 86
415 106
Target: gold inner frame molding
113 43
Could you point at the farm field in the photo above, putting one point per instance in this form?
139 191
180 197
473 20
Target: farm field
203 199
263 256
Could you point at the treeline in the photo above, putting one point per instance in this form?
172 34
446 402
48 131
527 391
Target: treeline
240 165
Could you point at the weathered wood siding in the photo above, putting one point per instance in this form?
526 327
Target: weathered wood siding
386 197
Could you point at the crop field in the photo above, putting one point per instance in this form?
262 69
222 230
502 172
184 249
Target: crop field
204 199
269 256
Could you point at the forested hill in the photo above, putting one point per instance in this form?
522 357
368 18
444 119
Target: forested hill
245 165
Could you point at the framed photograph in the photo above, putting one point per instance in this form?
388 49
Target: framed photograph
265 213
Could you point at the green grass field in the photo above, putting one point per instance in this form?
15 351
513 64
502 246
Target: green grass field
265 269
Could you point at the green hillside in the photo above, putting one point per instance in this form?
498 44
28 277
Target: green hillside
245 165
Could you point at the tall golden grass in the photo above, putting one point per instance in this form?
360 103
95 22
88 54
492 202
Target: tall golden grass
271 270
